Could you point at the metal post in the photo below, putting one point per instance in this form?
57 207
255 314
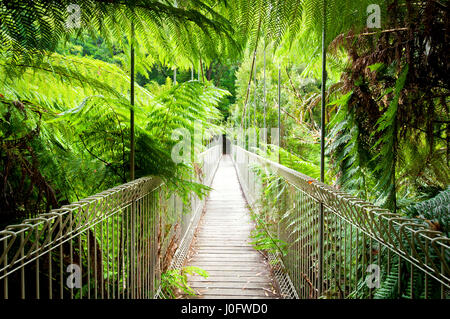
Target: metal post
132 273
132 104
322 147
254 95
192 73
201 70
279 111
132 176
244 110
175 76
249 119
264 100
283 201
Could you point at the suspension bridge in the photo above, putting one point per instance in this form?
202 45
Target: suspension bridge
122 243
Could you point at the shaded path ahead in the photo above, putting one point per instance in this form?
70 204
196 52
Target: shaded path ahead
222 244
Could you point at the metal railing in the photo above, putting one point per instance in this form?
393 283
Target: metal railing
354 250
189 221
109 245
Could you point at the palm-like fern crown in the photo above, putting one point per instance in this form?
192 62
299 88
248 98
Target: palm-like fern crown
29 28
180 32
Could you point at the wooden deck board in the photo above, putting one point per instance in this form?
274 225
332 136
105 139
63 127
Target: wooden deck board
222 245
225 279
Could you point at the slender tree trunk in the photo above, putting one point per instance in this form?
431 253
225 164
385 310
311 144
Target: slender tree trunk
209 72
201 70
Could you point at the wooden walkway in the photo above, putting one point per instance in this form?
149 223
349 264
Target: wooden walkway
222 245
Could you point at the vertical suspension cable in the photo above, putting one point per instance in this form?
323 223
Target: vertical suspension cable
283 200
324 80
264 99
201 70
279 111
255 120
249 115
249 119
322 145
132 142
244 115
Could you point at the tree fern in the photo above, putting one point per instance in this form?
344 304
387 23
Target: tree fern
433 212
389 285
386 157
35 27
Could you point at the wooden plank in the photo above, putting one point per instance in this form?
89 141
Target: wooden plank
223 249
216 272
226 221
230 261
228 297
226 249
225 242
235 292
233 236
223 230
228 267
215 265
213 226
236 255
224 255
251 279
231 284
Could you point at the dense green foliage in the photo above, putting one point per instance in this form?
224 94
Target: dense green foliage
65 96
65 99
174 282
82 130
387 120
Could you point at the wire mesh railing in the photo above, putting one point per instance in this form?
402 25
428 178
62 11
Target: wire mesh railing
184 228
109 245
353 249
209 161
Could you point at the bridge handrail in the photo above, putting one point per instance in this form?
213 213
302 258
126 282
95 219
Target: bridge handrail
125 194
126 215
412 241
